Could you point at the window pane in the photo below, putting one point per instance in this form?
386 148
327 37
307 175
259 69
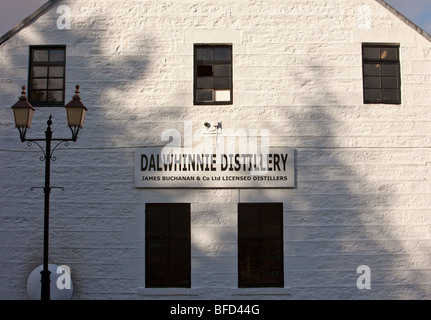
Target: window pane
38 96
250 227
179 275
159 273
271 262
179 245
390 95
55 96
272 247
271 277
390 70
250 245
40 55
371 53
158 228
249 213
372 69
204 54
179 260
204 83
179 228
157 260
222 95
270 215
55 84
253 261
56 72
372 82
157 246
179 213
204 95
156 270
40 72
160 214
390 83
222 71
205 71
271 228
249 276
389 54
222 53
56 55
39 84
372 95
222 83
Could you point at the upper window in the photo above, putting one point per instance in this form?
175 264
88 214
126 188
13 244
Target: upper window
381 71
47 75
213 74
167 243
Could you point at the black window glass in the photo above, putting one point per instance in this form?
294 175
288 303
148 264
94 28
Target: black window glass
260 245
381 74
167 245
213 74
47 75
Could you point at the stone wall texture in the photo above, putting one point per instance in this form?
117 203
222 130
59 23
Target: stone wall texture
362 194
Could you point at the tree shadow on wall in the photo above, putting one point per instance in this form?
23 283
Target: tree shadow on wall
347 209
343 214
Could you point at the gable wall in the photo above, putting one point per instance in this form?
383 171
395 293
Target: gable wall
362 170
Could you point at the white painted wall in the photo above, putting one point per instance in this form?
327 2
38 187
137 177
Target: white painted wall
362 195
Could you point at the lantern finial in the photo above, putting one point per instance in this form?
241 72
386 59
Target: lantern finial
23 95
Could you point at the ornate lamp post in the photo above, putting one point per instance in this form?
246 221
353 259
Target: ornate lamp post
23 114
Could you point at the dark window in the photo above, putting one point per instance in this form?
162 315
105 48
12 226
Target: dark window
167 246
381 71
260 245
47 75
213 74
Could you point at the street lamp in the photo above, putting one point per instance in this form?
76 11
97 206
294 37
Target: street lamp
76 111
23 114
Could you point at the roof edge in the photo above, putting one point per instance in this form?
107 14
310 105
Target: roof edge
406 20
35 15
31 18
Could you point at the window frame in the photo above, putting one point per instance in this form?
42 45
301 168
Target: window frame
48 64
382 62
247 241
212 62
154 239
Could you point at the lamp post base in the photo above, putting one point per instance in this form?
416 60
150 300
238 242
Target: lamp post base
61 285
46 283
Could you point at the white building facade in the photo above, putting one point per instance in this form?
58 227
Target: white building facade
298 132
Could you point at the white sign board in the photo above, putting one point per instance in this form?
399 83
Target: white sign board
156 168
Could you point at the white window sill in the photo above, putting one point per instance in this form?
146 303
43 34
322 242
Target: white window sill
229 293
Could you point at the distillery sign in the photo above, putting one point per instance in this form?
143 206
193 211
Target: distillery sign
156 168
